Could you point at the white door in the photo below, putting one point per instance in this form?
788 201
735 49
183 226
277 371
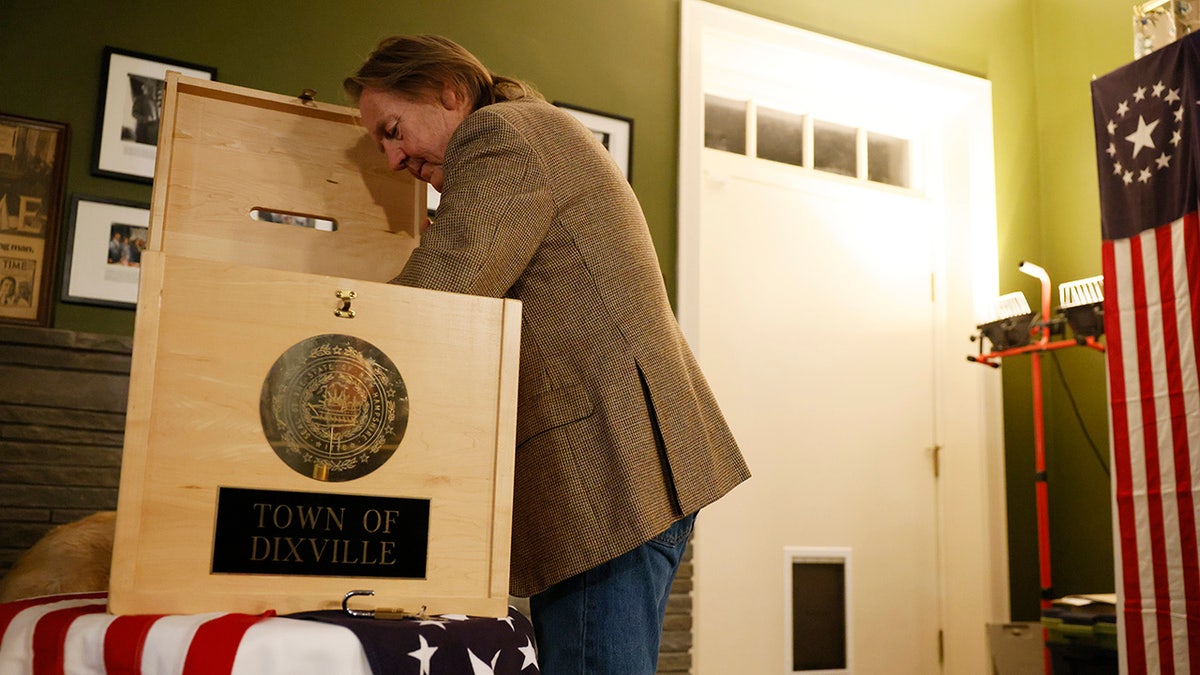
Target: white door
832 318
818 331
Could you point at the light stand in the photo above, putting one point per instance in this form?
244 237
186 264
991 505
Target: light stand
1086 297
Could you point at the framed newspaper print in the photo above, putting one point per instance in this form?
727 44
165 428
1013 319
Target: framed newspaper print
131 91
33 159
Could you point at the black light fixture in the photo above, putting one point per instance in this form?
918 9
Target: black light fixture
1082 303
1010 322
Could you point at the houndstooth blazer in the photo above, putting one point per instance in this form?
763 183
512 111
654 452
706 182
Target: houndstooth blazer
618 434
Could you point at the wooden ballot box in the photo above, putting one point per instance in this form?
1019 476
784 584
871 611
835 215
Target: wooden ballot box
297 428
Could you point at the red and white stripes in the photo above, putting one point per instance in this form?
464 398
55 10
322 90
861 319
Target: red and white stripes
1152 318
73 634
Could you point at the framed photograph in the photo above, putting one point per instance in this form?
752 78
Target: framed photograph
33 163
131 93
613 131
102 260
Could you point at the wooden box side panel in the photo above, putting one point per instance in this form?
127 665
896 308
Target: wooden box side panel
506 437
200 430
137 426
230 151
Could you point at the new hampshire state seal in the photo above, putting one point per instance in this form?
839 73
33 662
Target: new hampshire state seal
334 407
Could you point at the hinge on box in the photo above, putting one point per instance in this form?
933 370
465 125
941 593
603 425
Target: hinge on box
380 613
307 95
344 312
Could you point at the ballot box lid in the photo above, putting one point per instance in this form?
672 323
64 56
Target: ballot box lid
277 181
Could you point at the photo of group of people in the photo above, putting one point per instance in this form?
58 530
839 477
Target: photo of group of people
125 245
105 241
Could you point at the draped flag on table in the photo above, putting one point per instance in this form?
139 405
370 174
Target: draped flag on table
72 633
1146 117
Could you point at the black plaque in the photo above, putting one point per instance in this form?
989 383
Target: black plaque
317 534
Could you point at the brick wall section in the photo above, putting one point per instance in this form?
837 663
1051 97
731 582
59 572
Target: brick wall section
62 423
675 653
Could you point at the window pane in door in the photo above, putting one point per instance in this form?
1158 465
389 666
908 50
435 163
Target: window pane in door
780 136
887 160
834 148
725 124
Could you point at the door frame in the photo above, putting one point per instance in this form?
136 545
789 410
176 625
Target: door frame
971 500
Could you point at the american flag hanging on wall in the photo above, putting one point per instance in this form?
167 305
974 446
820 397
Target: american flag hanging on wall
1146 116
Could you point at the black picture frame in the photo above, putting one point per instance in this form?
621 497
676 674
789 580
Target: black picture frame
33 169
615 133
127 116
95 272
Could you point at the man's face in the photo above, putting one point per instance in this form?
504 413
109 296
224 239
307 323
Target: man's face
413 134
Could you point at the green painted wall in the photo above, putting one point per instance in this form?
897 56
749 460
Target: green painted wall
1075 41
622 56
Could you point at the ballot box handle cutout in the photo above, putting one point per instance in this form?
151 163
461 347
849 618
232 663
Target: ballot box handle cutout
313 222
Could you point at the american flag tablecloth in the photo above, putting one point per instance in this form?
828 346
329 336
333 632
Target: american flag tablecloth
72 634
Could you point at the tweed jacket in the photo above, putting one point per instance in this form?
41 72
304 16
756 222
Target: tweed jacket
618 434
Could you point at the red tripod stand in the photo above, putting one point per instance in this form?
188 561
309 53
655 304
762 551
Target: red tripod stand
1000 335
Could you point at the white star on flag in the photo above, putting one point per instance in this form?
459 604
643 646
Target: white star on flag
1142 137
424 654
530 654
480 667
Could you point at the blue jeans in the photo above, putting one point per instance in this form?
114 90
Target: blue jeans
608 620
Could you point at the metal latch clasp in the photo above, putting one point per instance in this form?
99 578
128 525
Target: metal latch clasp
381 612
346 296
